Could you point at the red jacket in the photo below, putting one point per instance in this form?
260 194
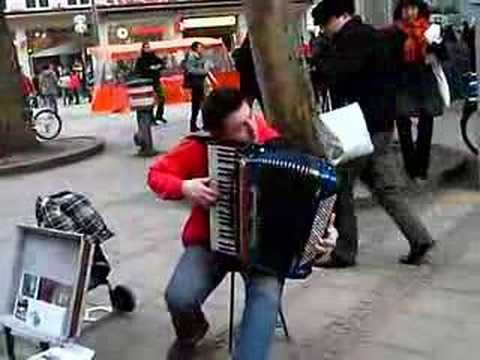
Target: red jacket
26 85
186 161
74 83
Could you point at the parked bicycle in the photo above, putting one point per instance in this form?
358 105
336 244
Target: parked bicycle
45 122
472 92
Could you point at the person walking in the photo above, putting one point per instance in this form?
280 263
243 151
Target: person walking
418 93
64 86
356 68
75 86
48 83
246 68
150 66
195 76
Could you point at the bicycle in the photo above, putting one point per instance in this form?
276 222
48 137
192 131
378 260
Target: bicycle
45 123
472 92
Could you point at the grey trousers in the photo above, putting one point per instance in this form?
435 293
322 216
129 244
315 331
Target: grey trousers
381 173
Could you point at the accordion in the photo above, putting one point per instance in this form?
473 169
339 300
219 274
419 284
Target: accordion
274 203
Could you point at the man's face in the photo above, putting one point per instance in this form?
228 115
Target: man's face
146 48
333 25
240 126
199 49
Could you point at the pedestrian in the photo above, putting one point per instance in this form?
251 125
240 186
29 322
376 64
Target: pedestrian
320 45
182 174
456 64
150 66
64 86
48 83
246 68
75 86
468 38
195 74
418 93
356 68
27 87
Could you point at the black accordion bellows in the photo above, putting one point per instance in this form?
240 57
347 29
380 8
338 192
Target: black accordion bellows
272 201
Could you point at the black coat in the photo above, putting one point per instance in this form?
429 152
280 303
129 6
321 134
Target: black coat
358 68
150 66
246 68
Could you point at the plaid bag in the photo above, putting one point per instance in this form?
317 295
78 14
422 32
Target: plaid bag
69 211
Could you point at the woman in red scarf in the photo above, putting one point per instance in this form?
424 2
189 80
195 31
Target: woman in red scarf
418 93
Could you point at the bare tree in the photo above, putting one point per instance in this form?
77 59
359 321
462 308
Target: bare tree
14 135
274 27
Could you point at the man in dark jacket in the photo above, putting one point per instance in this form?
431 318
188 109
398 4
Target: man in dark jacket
150 66
356 69
195 75
246 68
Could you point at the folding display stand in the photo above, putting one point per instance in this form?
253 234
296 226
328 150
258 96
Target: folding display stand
48 289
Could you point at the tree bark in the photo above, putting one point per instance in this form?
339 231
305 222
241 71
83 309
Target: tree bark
14 135
274 27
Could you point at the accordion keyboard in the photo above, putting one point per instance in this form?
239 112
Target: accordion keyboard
223 163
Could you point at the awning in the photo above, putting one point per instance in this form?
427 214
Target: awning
67 48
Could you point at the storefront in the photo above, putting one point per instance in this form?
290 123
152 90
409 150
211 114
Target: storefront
139 20
46 40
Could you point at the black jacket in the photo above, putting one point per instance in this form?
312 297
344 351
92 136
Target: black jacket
150 66
358 68
246 68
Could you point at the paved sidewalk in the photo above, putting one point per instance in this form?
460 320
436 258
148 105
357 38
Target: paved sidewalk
378 310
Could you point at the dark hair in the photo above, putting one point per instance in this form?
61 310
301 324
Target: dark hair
219 105
328 8
423 8
196 45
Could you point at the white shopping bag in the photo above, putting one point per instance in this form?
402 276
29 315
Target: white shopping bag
442 81
344 134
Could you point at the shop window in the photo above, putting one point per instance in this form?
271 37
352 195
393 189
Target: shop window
31 4
78 2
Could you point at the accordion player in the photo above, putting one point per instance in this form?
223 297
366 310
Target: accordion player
274 203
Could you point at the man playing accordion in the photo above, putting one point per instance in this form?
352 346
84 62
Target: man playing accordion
183 174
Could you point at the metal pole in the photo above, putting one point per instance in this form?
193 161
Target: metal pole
95 20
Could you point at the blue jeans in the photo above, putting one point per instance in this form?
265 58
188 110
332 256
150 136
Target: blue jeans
197 274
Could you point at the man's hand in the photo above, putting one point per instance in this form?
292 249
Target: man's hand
200 192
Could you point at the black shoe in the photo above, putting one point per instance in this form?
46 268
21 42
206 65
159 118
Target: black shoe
163 120
417 254
331 261
184 349
180 351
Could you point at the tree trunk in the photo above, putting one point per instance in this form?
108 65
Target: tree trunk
274 27
14 135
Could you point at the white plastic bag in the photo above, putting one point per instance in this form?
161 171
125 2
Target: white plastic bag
344 134
442 81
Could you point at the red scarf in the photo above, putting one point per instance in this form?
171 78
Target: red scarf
415 48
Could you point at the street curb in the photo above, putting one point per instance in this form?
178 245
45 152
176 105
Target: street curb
54 160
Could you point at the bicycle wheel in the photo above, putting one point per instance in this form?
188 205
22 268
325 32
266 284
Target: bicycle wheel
47 124
468 127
